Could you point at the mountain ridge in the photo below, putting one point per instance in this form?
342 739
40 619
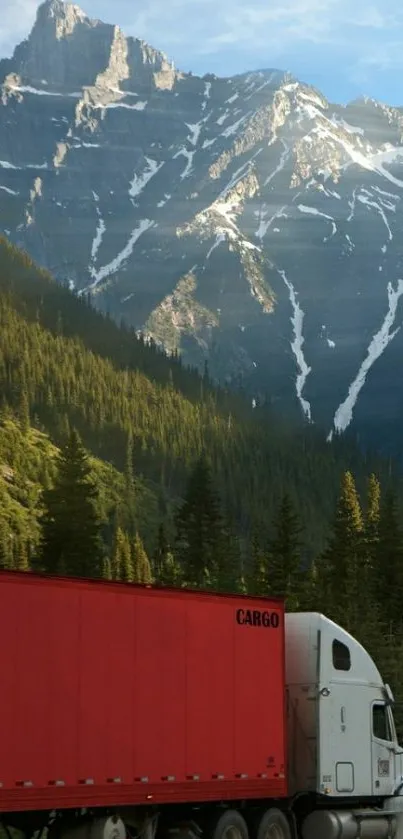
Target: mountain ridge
65 365
246 220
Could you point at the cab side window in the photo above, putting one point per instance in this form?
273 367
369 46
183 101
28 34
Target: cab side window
341 656
380 722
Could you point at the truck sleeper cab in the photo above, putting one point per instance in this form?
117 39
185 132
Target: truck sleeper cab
341 734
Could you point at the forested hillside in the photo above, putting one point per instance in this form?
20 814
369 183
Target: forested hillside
116 461
63 366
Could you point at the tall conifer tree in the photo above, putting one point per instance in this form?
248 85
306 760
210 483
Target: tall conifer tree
371 536
199 528
339 571
389 562
121 564
141 568
284 555
160 552
229 573
71 542
170 573
256 577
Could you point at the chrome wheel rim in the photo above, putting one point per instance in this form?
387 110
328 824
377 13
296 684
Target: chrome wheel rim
275 831
233 832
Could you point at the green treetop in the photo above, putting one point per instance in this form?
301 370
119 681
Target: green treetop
71 541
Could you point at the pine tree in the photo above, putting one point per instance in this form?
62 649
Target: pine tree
140 562
127 570
229 563
389 561
284 555
373 506
64 428
129 470
6 554
339 569
256 578
371 535
170 571
106 572
23 408
199 529
161 552
129 485
71 541
309 596
121 563
20 558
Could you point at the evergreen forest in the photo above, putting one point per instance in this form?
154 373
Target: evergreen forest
118 462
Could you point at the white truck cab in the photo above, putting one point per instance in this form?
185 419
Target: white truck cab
341 733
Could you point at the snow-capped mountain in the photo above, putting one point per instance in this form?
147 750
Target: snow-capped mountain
246 219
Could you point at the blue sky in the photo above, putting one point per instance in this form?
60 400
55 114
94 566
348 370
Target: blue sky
344 47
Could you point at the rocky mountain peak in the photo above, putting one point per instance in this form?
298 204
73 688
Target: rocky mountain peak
244 219
63 16
66 51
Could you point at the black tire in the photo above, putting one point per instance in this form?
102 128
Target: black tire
274 825
229 825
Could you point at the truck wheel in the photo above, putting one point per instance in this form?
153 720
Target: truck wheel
273 825
230 825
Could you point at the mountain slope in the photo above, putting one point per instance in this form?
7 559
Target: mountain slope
62 364
246 220
27 466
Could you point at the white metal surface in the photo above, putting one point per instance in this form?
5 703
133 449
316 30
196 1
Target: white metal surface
333 687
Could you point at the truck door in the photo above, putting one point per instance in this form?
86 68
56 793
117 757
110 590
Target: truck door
383 749
344 736
336 723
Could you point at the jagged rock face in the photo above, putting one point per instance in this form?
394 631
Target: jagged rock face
244 220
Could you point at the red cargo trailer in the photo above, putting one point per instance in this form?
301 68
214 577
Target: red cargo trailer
119 694
132 712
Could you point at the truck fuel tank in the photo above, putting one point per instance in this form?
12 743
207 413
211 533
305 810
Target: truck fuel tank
347 824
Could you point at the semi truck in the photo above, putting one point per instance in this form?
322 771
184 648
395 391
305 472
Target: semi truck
131 711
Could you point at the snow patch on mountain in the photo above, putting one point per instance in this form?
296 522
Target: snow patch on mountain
380 341
283 157
195 129
232 129
163 200
207 89
9 191
265 222
314 212
375 162
221 119
137 106
297 320
351 129
365 200
101 228
351 204
220 238
239 174
121 257
189 165
139 181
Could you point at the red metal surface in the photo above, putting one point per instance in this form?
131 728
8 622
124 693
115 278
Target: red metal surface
125 694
